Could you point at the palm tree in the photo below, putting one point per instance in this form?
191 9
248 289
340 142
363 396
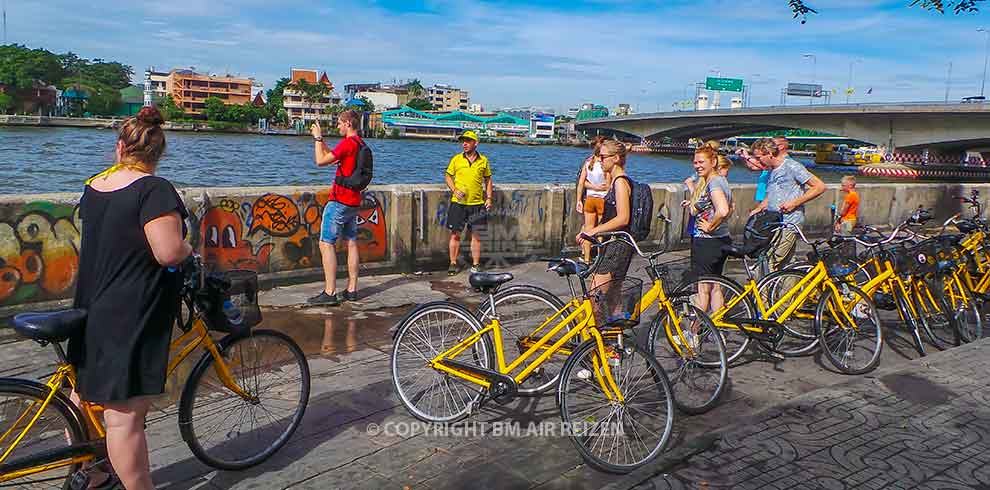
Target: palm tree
312 93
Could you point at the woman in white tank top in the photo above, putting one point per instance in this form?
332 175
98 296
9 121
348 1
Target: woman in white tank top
592 187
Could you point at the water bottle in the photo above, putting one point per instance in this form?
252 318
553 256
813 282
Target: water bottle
232 312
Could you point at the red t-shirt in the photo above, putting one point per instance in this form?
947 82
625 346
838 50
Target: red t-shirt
346 153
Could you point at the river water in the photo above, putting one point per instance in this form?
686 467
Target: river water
35 160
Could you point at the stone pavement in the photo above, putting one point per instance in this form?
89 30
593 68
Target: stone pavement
341 443
923 426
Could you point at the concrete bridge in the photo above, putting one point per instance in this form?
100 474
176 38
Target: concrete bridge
945 128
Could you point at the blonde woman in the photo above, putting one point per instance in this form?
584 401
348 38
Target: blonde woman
593 184
711 205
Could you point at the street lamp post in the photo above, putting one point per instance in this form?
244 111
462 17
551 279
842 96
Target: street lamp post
986 57
849 80
718 93
814 72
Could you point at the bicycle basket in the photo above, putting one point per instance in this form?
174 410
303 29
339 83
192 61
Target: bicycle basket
839 260
240 287
616 303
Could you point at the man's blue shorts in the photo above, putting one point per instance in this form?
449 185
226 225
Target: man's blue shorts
338 220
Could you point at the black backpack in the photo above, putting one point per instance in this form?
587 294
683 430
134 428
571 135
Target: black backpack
641 210
363 170
760 229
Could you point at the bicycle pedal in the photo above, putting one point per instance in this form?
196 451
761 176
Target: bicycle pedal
79 481
777 356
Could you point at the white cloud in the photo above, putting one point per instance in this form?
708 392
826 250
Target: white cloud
510 54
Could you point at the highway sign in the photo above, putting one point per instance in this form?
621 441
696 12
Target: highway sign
804 89
724 84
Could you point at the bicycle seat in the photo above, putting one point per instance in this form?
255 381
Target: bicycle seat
50 327
567 267
740 251
488 281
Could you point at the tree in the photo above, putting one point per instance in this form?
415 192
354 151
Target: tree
275 106
170 111
368 106
420 104
112 73
104 100
214 109
312 93
21 67
415 88
6 103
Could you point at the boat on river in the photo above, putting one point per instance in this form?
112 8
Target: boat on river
830 154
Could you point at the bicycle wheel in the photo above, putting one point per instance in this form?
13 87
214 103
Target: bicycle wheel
800 337
427 393
698 380
57 428
228 432
964 306
938 319
521 311
616 437
736 341
852 348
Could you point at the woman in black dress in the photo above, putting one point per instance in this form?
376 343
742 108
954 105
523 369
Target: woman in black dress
132 231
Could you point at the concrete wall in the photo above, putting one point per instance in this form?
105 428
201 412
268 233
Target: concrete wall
275 231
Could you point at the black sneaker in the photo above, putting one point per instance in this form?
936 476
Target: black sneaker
324 299
346 295
476 268
452 270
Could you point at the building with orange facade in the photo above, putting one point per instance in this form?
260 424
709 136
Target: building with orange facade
300 109
190 90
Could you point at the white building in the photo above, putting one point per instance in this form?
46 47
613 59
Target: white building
157 82
541 125
476 108
298 108
385 98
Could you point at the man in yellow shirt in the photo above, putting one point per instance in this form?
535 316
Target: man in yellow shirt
469 178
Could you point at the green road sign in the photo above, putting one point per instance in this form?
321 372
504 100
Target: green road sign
724 84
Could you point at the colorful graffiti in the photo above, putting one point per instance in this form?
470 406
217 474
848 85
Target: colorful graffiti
39 241
39 257
277 232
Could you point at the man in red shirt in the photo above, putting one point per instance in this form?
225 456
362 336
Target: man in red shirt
340 213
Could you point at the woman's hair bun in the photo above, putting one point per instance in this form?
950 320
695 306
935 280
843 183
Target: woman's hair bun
150 116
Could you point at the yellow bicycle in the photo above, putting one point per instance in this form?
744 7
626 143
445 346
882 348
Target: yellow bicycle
241 402
615 400
681 337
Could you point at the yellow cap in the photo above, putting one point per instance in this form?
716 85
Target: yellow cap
469 135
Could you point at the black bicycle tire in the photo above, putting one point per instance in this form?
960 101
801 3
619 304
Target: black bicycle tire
819 311
404 325
525 289
654 334
188 396
65 407
949 312
565 374
811 338
750 304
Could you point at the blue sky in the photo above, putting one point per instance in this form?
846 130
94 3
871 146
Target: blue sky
552 53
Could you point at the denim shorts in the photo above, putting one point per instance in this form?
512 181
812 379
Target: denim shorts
338 220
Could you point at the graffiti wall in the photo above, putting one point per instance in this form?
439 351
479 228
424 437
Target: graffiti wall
39 258
39 241
276 232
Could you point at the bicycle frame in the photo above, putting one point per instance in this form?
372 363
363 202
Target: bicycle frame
585 328
198 335
789 302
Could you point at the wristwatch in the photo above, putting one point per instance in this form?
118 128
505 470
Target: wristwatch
319 138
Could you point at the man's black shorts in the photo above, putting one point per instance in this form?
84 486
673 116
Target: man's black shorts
473 216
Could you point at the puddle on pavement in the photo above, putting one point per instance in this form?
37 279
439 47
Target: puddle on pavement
338 332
